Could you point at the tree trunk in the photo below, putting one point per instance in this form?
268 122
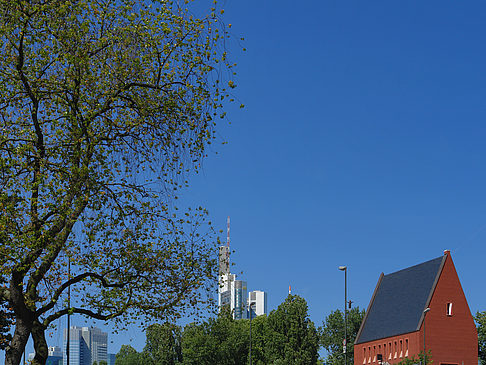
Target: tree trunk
40 344
13 353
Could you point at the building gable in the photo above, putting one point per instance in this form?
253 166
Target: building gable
451 332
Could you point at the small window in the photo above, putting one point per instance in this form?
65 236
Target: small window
389 350
369 354
396 348
401 348
364 355
449 309
406 347
374 353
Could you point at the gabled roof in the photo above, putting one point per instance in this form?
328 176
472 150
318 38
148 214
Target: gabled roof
399 300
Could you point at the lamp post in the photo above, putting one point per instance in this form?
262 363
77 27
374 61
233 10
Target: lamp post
426 310
345 342
251 305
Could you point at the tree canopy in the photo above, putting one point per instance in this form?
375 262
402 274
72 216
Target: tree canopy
106 108
128 356
291 335
286 336
163 345
222 340
331 334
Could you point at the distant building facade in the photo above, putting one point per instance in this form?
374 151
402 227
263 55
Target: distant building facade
86 346
239 299
417 308
54 356
257 303
111 359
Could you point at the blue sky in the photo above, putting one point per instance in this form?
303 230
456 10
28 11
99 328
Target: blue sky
362 143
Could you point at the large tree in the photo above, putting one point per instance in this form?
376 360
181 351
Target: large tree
106 108
291 337
331 334
222 340
128 356
163 345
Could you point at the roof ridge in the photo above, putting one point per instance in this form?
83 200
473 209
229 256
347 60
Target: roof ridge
411 267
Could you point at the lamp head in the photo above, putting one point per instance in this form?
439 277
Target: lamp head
342 268
426 310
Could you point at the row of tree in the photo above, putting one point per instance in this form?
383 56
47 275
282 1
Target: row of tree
285 336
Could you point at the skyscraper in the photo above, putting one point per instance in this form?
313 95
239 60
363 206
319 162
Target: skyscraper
239 298
86 346
225 277
233 293
259 300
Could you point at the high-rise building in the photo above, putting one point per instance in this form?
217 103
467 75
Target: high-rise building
225 277
224 290
258 301
224 260
233 293
239 298
86 346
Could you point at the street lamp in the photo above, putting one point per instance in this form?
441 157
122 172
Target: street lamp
426 310
251 305
345 342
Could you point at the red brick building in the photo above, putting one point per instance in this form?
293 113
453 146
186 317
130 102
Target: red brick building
397 315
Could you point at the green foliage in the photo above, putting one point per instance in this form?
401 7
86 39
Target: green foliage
481 326
163 345
128 356
222 341
6 317
286 336
291 337
103 363
106 108
420 359
331 335
259 339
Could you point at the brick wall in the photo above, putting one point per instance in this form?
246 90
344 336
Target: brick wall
402 346
452 339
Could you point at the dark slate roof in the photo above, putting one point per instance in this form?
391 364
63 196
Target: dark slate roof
399 301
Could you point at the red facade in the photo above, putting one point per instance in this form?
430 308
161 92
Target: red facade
450 332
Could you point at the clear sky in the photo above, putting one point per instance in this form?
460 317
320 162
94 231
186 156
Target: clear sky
362 143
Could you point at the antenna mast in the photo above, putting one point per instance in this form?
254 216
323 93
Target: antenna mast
228 233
